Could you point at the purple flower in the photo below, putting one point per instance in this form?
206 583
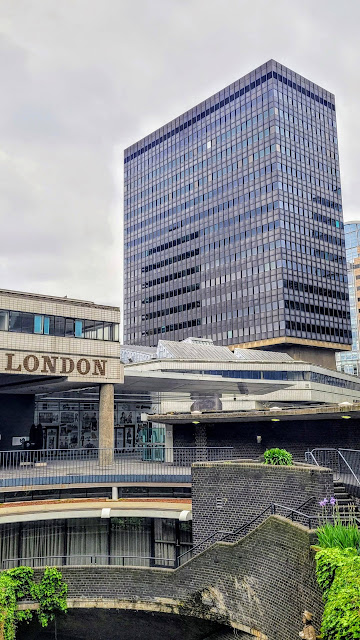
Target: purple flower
323 502
332 501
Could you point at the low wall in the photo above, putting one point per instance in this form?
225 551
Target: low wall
297 436
226 495
259 585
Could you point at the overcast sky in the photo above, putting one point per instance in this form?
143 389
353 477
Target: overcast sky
83 79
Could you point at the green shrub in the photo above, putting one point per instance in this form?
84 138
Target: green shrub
278 457
338 574
19 583
337 532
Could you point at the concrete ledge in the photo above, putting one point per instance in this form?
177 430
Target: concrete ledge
252 464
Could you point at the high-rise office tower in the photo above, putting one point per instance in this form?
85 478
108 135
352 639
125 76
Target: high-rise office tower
349 361
233 221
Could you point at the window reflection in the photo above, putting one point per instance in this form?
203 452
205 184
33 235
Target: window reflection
21 322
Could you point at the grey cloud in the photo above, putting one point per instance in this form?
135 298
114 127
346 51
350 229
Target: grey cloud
83 79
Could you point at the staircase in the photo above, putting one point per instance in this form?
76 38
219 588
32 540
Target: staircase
345 502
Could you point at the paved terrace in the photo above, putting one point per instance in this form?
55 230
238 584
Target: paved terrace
58 468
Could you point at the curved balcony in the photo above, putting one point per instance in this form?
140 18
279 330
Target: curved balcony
103 467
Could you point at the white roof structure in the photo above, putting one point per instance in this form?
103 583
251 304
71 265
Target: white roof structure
191 351
254 355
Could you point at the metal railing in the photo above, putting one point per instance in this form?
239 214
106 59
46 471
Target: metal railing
147 463
87 559
345 463
236 534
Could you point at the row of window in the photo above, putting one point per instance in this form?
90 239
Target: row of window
206 131
252 232
145 208
172 276
248 215
310 288
260 250
307 376
170 310
172 327
144 254
229 99
203 197
221 156
265 188
185 125
317 329
270 206
258 269
21 322
295 305
298 139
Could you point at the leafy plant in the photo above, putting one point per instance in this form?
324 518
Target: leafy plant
338 574
18 584
335 530
278 457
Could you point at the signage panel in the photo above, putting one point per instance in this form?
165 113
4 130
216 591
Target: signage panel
74 367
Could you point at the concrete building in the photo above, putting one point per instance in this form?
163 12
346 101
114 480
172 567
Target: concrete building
233 222
55 344
349 361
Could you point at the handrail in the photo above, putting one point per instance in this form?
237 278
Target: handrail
340 455
247 524
292 511
303 504
347 464
272 508
314 461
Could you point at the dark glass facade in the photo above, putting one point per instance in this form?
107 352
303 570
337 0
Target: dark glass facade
233 223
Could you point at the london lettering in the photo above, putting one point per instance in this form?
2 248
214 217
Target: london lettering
56 365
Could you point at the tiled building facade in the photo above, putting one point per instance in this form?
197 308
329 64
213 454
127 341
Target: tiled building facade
233 219
349 361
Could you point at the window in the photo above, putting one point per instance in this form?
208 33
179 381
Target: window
69 327
46 325
89 329
27 323
79 330
4 320
59 326
38 324
15 321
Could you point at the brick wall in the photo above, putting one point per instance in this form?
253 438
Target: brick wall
295 435
263 582
226 495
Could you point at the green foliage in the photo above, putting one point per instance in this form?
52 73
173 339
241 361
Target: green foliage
338 574
278 457
51 595
339 533
18 584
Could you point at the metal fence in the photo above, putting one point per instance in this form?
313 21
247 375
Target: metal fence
86 559
345 464
149 463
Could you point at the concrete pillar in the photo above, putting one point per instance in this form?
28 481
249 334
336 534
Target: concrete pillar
106 424
169 443
200 442
114 496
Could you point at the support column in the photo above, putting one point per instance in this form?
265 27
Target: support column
200 442
169 443
106 424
